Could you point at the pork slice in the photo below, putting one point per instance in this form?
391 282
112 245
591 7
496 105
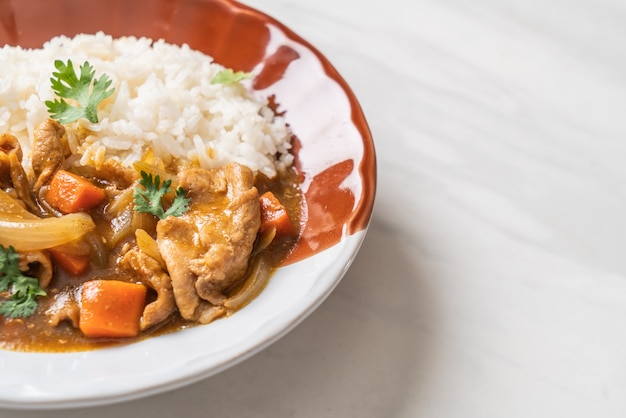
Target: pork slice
47 152
150 273
9 144
12 174
38 264
65 307
206 250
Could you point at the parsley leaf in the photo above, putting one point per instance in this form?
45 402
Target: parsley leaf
148 197
228 76
83 89
22 290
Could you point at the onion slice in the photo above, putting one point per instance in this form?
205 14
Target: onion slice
27 232
11 207
260 273
39 234
149 246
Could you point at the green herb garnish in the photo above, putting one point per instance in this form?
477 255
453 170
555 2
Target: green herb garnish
22 290
82 89
148 197
228 76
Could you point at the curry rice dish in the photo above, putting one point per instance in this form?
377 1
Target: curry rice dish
143 189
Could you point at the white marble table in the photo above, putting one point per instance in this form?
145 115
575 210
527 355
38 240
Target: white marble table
492 282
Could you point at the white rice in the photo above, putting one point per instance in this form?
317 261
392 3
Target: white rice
163 101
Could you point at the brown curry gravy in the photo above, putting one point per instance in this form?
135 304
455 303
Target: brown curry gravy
36 335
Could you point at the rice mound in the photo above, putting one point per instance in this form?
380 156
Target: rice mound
163 100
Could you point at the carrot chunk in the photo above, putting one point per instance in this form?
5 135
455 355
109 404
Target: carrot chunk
111 308
71 193
74 264
274 215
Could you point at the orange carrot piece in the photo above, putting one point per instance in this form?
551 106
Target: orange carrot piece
274 215
111 308
71 193
74 264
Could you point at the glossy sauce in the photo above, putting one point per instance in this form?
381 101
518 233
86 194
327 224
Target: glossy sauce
35 334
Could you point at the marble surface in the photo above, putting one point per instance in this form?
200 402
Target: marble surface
492 282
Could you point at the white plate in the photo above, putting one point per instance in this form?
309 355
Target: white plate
336 158
32 380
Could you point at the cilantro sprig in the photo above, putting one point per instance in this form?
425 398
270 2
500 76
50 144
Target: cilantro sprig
82 89
148 198
228 76
22 290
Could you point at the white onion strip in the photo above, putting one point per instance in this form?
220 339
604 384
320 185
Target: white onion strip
39 234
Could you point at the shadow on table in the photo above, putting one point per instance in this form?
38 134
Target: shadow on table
363 353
